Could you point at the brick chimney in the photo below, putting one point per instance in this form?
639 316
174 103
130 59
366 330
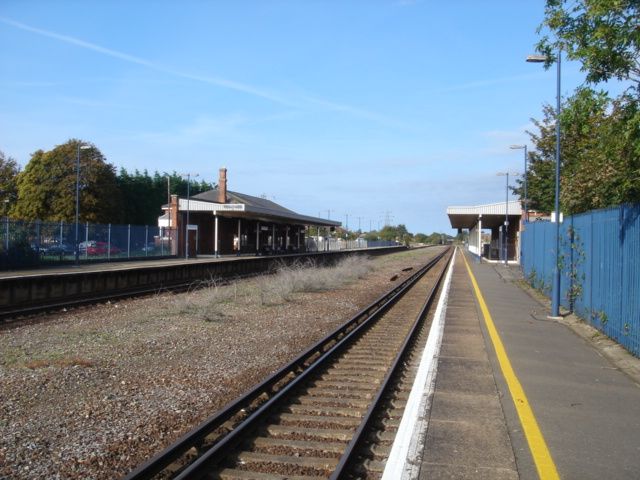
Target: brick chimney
173 212
222 186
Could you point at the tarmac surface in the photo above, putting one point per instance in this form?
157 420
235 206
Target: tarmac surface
582 391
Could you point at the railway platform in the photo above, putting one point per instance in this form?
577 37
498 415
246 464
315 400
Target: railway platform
518 395
30 291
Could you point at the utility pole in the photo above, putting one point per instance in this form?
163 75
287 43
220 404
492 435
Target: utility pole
186 227
387 218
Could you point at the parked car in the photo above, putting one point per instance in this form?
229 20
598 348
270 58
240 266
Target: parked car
37 248
101 248
82 246
57 248
149 247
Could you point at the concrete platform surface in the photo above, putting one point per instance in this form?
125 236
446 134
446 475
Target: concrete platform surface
587 408
467 436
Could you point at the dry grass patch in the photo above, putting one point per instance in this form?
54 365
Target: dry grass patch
208 299
59 362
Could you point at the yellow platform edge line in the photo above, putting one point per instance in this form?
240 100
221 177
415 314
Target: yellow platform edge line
538 446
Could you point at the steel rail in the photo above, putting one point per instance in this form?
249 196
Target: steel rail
347 458
222 449
70 302
330 343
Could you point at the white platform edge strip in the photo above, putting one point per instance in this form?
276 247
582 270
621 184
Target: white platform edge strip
406 452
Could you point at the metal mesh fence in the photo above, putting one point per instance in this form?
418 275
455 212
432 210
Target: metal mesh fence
28 244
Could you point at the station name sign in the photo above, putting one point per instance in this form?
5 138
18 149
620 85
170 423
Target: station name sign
200 206
229 207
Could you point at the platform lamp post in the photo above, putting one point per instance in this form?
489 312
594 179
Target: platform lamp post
526 209
555 294
186 227
506 215
81 146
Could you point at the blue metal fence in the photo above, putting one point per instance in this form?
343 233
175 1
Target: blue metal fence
599 265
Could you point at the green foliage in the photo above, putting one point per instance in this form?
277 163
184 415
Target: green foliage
420 238
570 265
602 34
541 161
390 232
600 136
8 192
600 154
47 186
143 195
371 236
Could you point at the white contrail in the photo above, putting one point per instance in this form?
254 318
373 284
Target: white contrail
303 101
221 82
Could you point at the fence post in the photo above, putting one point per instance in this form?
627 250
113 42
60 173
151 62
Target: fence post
61 231
129 241
109 242
146 240
6 235
38 240
86 240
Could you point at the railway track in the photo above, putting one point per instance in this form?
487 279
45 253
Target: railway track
27 295
331 413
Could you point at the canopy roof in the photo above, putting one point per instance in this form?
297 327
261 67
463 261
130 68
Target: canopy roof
248 206
492 214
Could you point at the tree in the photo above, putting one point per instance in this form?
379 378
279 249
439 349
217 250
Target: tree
47 186
600 154
602 34
143 195
390 232
420 238
8 193
600 144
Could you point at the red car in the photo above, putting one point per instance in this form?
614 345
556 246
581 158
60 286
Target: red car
101 248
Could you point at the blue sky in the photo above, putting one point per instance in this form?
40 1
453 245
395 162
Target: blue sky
330 108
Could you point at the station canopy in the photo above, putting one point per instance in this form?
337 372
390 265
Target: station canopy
240 205
492 214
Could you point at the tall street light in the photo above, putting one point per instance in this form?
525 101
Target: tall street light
506 216
555 294
526 209
81 146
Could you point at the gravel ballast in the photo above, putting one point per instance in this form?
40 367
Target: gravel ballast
93 392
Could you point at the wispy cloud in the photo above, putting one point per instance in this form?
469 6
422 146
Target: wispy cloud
305 101
218 81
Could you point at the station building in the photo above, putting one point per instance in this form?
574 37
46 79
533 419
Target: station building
495 217
222 222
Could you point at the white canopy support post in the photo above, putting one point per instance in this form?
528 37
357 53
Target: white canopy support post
480 235
215 235
257 237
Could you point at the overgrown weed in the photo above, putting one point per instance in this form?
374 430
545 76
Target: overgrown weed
206 299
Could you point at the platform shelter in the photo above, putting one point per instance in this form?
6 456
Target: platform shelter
222 222
503 220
